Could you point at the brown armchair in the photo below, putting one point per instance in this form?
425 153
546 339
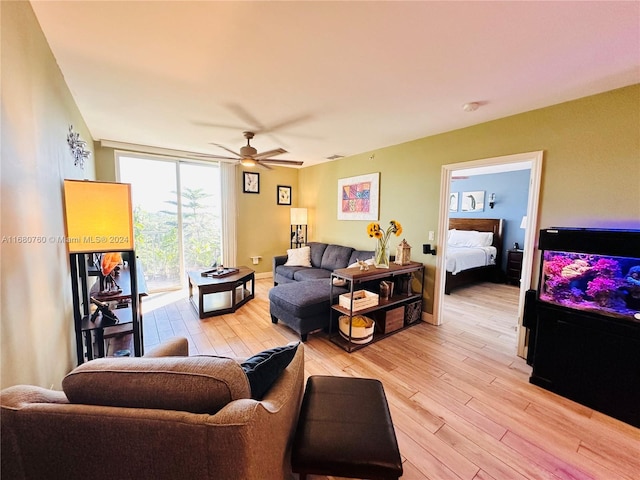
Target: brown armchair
175 421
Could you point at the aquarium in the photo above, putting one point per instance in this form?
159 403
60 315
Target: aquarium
579 271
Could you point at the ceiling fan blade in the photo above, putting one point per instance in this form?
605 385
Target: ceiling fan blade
288 122
246 117
281 162
263 165
269 153
227 149
216 157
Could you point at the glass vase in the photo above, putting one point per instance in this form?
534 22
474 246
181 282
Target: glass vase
381 257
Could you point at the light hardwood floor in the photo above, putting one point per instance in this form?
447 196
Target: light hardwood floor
460 398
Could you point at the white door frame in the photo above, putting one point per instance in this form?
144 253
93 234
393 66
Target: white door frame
530 233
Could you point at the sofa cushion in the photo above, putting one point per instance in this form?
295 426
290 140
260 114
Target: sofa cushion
191 384
299 257
361 255
265 367
335 256
305 274
317 250
289 272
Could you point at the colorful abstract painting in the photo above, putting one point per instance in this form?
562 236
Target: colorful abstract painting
358 197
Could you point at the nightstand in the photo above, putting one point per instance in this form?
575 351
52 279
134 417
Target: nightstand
514 266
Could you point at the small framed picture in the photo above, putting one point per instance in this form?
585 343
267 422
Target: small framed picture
473 201
250 182
284 195
453 202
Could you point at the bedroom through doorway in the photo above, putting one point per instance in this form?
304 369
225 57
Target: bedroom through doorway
505 189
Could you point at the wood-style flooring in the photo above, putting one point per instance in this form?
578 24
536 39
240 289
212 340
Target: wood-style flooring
460 399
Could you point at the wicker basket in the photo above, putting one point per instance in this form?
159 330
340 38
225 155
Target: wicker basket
358 334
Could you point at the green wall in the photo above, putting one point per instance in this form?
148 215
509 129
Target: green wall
263 225
590 177
37 340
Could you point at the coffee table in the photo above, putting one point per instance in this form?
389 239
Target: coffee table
217 296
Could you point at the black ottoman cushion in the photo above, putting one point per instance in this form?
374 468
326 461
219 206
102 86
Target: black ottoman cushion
345 429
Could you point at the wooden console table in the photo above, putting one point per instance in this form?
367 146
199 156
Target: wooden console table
403 296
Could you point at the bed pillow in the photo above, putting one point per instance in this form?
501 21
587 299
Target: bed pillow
299 257
470 238
265 367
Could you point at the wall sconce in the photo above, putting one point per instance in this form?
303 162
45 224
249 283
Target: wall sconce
80 154
492 200
426 249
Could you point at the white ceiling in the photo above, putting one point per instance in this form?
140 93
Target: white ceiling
328 78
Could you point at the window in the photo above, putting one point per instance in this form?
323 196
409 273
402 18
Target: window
177 216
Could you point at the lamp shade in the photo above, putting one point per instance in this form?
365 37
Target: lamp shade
98 216
523 223
298 216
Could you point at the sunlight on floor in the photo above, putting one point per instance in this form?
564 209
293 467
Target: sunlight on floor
162 299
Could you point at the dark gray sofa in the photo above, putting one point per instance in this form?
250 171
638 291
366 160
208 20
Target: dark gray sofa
300 296
325 258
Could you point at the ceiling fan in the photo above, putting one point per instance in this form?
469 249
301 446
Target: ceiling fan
249 156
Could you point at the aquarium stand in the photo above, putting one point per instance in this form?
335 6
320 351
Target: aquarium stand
584 319
591 359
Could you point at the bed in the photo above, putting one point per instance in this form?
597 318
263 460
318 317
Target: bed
473 253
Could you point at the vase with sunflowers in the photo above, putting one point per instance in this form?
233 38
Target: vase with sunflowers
381 257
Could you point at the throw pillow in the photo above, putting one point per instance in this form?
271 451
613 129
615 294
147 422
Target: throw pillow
265 367
299 257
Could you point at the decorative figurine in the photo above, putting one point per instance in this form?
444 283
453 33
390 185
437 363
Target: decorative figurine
363 265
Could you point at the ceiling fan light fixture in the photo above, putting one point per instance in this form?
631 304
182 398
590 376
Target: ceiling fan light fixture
248 162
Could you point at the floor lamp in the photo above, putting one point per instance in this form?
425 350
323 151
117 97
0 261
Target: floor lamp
298 227
98 221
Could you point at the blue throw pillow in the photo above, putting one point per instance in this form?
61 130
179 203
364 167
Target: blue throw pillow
265 367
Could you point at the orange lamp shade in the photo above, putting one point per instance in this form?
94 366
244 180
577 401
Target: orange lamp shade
98 216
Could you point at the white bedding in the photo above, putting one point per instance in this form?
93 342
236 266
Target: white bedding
464 258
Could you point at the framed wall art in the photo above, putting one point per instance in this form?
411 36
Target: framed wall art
358 197
284 195
250 182
453 202
473 201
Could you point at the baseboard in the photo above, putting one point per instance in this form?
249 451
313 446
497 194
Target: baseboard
428 317
262 275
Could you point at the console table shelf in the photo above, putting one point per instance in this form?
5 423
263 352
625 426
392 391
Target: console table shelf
400 275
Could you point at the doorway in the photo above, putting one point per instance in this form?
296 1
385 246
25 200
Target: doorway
448 172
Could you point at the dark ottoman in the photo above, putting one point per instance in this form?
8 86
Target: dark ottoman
303 306
345 430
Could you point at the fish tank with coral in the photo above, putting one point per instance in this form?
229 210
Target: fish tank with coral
591 270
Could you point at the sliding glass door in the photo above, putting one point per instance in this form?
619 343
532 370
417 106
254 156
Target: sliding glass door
176 206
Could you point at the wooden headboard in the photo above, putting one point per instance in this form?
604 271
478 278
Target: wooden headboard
482 225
